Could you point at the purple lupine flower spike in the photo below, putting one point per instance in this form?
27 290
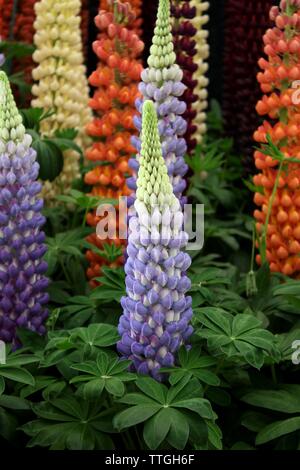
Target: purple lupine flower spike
22 269
156 311
162 83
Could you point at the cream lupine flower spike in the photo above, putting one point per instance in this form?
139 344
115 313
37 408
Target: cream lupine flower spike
61 82
200 106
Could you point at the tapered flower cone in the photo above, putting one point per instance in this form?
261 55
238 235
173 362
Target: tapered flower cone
162 83
22 269
155 322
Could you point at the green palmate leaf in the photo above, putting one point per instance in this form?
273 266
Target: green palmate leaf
169 415
255 421
137 399
208 277
135 415
114 278
201 406
153 389
14 403
288 288
100 335
41 383
93 388
286 401
179 430
65 144
50 159
115 386
198 429
240 335
106 294
109 252
32 117
16 374
287 343
216 319
157 428
69 134
106 372
278 429
69 424
8 425
214 435
2 385
14 49
193 364
20 358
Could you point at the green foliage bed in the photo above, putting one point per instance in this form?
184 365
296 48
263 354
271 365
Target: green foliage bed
237 388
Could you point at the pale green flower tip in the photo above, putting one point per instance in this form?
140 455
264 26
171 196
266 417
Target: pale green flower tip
159 57
153 183
11 126
4 79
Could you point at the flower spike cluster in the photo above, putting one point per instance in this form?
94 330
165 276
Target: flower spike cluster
116 80
22 281
162 83
61 82
281 107
156 317
135 22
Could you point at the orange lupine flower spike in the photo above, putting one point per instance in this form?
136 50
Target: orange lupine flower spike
116 79
281 108
136 6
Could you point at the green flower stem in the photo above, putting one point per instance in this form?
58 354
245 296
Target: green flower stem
263 246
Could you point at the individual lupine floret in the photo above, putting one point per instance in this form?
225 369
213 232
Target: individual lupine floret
22 269
162 83
61 82
156 317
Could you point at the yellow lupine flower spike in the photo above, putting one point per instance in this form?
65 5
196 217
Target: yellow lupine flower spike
61 83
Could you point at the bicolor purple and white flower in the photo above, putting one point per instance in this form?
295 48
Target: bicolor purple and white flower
156 310
162 84
22 268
